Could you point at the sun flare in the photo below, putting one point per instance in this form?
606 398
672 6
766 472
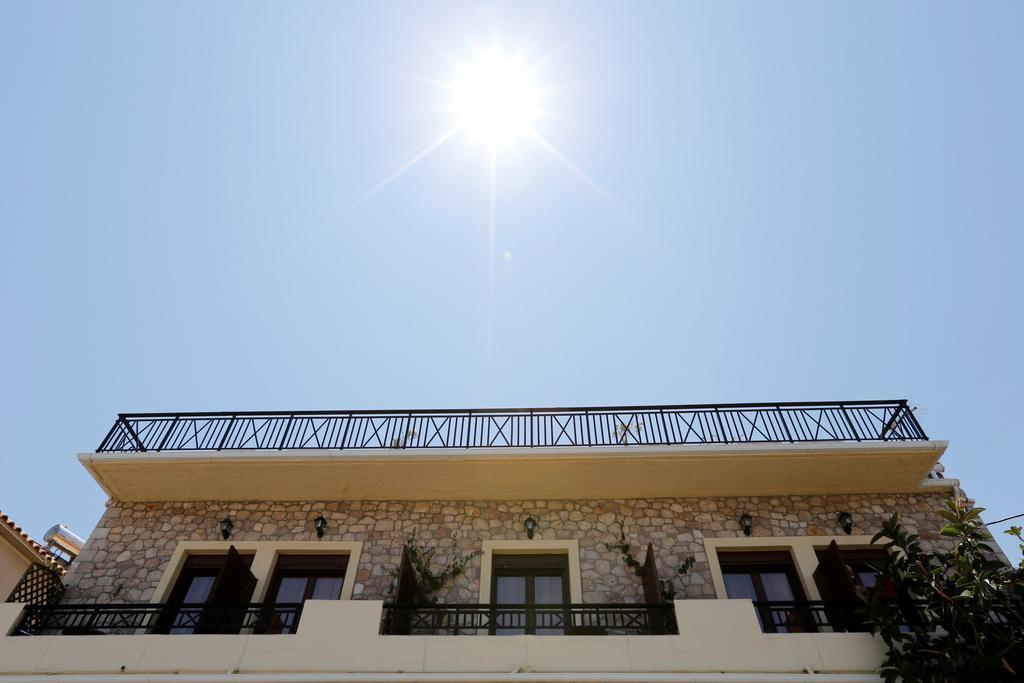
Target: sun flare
495 99
492 98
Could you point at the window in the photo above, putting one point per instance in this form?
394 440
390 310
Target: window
863 562
207 580
538 583
298 578
766 576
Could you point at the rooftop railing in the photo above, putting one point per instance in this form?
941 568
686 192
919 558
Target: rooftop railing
726 423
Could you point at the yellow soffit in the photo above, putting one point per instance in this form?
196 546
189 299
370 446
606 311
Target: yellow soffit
516 473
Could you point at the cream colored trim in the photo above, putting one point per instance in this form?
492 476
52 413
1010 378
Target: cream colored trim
20 545
571 548
266 553
454 678
699 470
801 547
940 484
517 453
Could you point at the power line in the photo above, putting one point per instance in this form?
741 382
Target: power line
991 443
991 423
1005 519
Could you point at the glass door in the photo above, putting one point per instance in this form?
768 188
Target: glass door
767 577
298 578
530 595
194 590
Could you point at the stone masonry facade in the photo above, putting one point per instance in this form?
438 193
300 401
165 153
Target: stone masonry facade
129 550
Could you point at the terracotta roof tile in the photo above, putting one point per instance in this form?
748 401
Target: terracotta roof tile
45 554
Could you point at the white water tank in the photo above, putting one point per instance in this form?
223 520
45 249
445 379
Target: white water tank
65 539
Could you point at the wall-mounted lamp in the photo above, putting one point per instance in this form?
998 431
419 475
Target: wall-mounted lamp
320 523
845 520
226 525
530 524
747 523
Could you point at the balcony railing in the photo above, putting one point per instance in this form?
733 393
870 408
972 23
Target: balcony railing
517 428
807 616
130 619
810 616
588 619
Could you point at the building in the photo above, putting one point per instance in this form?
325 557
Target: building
29 572
662 543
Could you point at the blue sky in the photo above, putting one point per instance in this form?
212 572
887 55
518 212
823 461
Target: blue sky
787 201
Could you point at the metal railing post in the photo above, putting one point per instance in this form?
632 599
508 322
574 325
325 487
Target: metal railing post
227 433
132 434
853 430
284 435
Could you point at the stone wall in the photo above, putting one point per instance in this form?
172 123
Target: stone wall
129 550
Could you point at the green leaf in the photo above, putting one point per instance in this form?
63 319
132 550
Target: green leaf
973 514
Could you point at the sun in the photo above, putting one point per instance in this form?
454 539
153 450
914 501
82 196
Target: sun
495 99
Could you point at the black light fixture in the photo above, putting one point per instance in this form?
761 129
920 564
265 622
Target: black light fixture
226 525
845 520
530 524
320 523
747 523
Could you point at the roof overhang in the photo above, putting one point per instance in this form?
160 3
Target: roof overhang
517 473
22 544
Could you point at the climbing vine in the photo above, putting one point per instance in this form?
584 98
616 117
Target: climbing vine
429 581
668 586
668 589
623 547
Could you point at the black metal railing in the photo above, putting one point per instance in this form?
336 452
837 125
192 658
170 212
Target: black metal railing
810 616
517 428
807 616
128 619
589 619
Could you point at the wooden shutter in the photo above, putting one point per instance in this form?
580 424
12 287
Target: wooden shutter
832 577
406 591
233 587
405 594
652 588
652 592
835 585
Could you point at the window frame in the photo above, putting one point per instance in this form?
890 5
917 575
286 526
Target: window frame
530 567
756 563
568 548
207 564
291 565
265 558
802 548
193 567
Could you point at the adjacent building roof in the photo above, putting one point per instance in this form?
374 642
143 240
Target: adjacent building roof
17 537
